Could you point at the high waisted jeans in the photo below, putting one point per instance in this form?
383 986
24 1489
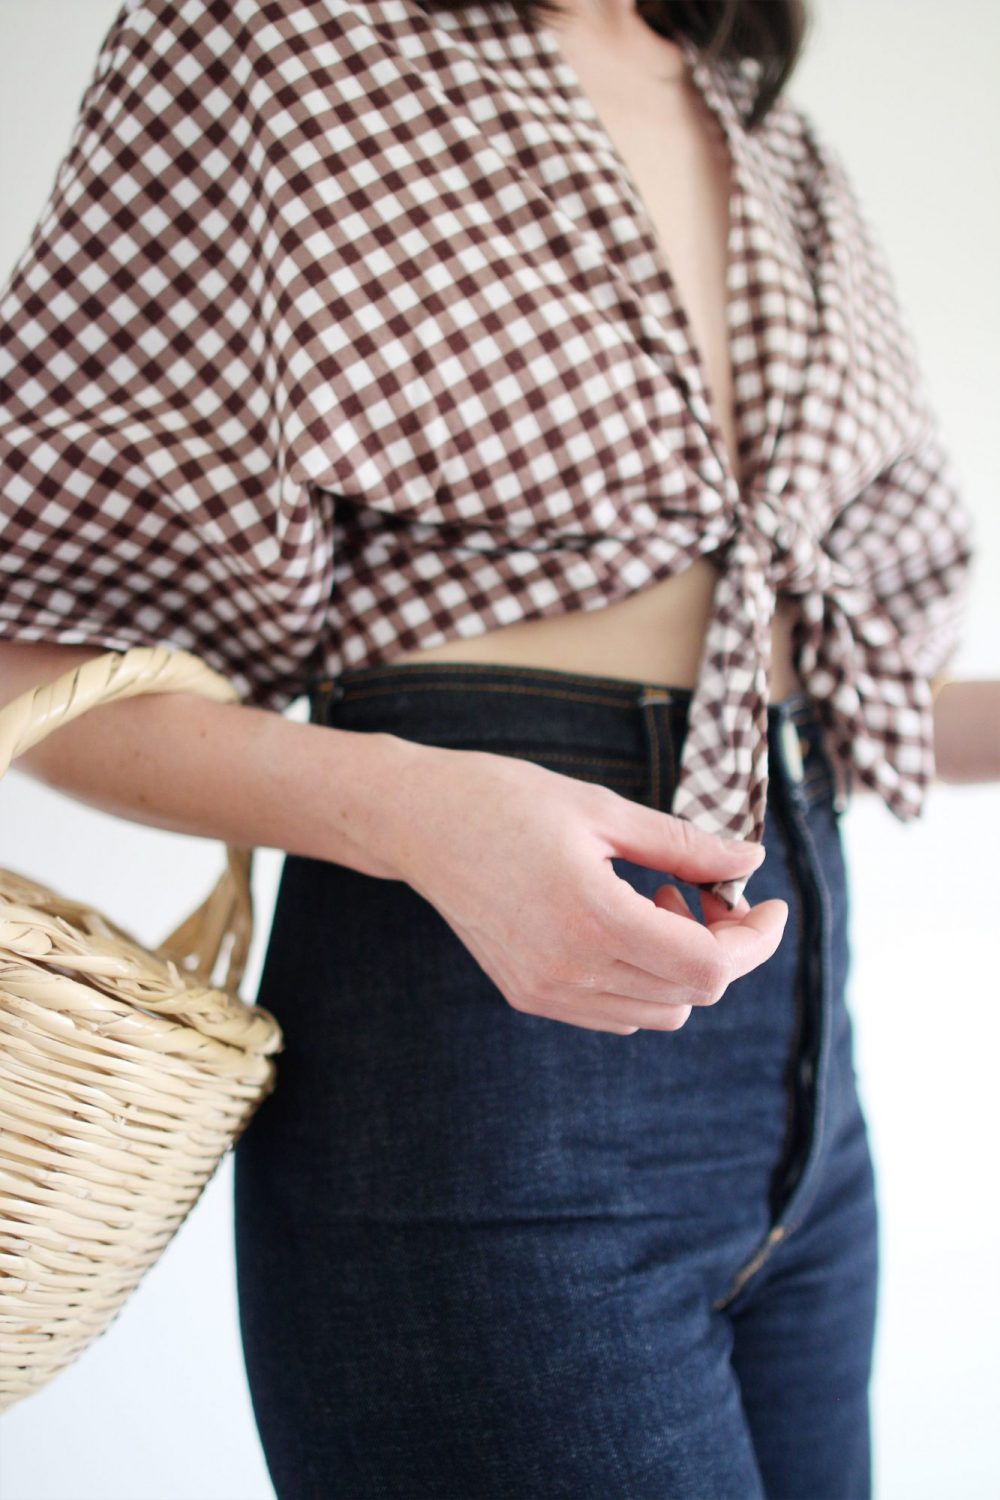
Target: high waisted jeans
485 1255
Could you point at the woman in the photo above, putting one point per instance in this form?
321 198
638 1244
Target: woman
526 386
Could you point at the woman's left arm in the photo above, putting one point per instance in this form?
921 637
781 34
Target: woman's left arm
967 729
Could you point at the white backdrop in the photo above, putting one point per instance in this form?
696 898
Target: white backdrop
159 1409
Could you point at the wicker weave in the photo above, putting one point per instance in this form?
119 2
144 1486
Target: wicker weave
125 1073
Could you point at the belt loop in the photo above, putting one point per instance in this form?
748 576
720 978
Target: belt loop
658 739
791 748
324 693
787 753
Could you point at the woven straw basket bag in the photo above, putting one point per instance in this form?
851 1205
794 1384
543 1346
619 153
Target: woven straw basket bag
125 1073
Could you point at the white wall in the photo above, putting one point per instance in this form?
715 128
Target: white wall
158 1409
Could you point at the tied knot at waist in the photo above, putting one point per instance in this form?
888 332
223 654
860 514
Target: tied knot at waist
772 540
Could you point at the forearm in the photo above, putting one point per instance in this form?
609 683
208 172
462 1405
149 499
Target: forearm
966 733
967 730
243 775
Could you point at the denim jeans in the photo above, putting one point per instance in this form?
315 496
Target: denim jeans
485 1255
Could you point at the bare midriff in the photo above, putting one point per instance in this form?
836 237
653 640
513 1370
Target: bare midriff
637 82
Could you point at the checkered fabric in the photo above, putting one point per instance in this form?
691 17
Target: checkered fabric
345 331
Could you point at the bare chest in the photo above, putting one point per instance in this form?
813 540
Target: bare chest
677 156
678 159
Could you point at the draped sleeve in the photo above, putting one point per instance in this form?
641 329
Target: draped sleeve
902 558
149 494
914 539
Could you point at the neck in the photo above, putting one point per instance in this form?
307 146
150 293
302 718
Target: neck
605 12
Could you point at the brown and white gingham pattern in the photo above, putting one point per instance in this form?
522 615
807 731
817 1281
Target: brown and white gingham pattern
345 331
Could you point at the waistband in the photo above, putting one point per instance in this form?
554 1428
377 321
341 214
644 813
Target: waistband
479 705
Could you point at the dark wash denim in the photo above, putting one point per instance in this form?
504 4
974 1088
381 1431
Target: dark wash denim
484 1255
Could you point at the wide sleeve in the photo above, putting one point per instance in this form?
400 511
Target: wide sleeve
148 491
914 541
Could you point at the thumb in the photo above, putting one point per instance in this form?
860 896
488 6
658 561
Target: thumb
661 841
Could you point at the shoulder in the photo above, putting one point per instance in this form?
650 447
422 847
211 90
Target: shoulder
817 186
280 66
792 134
201 45
263 29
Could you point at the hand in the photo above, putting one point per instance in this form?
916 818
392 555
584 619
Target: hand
517 859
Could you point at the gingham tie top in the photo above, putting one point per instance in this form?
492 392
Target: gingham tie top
345 331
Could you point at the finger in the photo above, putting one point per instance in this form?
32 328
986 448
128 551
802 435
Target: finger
683 952
751 941
661 841
631 983
606 1011
627 982
714 909
586 1020
671 899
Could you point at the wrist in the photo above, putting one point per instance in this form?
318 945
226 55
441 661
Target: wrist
371 829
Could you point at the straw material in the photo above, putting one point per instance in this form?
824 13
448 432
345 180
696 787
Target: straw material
125 1073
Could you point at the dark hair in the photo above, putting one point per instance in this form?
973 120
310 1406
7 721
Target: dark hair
771 32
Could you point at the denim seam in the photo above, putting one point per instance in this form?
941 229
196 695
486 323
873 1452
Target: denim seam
785 1227
473 669
668 745
352 695
613 778
748 1271
823 1040
655 759
792 1099
649 716
633 765
780 1229
818 789
628 789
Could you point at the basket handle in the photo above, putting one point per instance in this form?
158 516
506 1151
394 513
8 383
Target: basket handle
195 944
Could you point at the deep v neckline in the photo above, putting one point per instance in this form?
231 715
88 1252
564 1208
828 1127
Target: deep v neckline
696 372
